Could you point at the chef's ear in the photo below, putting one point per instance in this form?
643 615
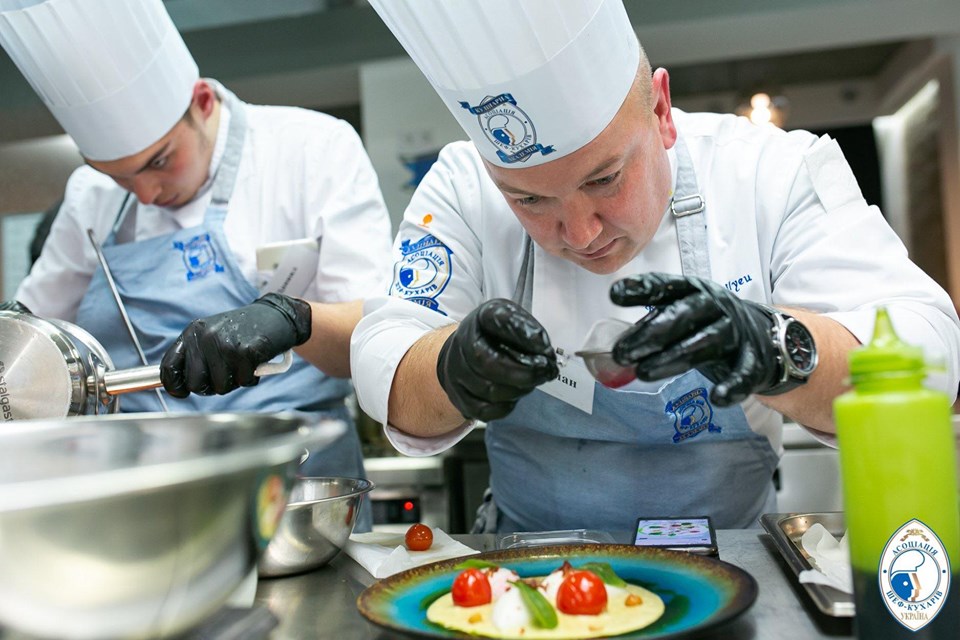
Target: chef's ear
663 107
203 101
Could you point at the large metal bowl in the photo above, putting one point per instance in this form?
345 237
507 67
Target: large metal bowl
139 525
319 518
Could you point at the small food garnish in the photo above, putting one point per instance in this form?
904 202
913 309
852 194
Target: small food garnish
633 600
475 618
471 589
419 537
605 572
582 593
542 612
473 563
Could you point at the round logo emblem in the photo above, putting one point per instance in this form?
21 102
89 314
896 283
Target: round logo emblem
423 272
507 127
914 575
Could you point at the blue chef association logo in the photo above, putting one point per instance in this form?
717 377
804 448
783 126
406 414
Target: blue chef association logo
508 127
199 257
914 575
692 414
423 272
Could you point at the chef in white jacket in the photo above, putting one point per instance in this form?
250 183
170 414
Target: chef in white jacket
206 208
746 256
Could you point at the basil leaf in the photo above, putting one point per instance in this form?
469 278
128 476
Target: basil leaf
542 612
605 572
473 563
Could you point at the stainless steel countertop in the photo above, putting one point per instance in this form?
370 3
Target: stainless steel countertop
322 604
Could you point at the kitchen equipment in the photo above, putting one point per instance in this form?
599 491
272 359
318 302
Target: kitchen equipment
787 529
53 369
318 520
108 275
597 355
139 526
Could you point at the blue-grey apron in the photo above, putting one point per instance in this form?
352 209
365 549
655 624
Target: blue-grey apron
169 280
662 451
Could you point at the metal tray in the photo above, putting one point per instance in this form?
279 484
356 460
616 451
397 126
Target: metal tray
786 530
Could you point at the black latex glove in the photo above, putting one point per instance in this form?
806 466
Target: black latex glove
13 305
497 355
215 355
697 324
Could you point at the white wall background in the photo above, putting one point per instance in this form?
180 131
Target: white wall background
401 116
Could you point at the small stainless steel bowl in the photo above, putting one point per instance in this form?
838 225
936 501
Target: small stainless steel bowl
319 518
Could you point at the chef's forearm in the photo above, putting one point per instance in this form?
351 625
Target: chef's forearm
328 348
812 404
418 404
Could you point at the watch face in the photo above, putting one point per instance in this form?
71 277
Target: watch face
800 347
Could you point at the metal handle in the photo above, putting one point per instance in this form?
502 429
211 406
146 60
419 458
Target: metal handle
142 378
108 274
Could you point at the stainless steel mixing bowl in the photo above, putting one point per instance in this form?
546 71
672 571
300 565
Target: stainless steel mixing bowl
139 525
318 520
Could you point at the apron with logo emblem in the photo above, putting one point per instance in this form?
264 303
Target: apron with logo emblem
659 449
167 281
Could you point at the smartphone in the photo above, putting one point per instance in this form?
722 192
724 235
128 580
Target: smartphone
693 534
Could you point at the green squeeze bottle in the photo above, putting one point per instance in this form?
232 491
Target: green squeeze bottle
899 469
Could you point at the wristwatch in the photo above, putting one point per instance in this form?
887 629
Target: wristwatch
797 351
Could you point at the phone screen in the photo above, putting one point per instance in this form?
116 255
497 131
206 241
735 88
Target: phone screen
674 532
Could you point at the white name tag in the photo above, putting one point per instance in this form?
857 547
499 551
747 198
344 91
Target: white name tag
574 385
293 265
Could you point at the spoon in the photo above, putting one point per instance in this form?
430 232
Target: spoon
597 353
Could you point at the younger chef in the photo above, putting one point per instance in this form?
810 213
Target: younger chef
183 185
746 255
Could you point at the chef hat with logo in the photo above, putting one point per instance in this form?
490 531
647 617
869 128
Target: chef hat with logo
115 73
528 80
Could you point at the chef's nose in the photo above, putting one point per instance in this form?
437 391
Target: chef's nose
145 188
581 223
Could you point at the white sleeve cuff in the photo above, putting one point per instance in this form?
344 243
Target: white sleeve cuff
918 325
417 447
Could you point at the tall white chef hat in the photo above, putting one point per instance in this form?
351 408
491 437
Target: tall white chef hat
528 80
115 73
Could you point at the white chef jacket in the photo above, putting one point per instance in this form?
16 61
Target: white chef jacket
303 174
786 222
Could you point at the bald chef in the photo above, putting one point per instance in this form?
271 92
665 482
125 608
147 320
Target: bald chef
746 256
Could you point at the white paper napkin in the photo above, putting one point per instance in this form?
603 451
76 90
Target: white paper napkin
384 554
831 559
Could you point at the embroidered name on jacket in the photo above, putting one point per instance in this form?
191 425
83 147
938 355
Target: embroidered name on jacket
742 281
692 414
199 257
423 272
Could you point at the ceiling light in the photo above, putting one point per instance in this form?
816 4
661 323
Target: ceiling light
762 109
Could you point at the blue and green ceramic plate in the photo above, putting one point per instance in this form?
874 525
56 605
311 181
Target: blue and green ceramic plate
700 593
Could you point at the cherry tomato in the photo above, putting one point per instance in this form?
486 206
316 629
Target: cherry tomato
471 588
419 537
582 593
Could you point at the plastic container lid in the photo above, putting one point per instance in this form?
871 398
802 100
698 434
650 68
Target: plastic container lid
563 536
